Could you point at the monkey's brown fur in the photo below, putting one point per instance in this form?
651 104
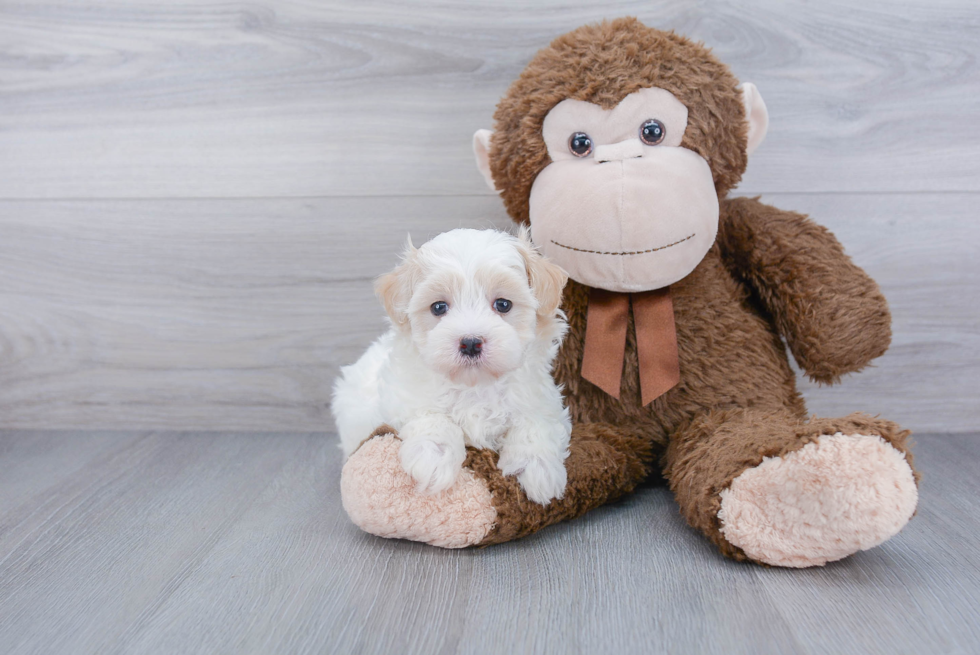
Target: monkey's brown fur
771 276
772 279
602 64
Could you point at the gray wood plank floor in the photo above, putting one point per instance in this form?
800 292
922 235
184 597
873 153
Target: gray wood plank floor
163 542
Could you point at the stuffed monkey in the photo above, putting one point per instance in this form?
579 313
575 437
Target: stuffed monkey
618 145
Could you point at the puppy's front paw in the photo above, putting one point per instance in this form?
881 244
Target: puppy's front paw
542 477
433 465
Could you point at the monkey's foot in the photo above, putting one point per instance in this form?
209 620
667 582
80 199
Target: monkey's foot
381 498
484 506
833 497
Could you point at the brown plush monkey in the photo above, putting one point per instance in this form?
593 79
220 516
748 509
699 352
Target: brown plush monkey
619 144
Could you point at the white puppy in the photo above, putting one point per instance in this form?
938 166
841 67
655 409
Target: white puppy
467 361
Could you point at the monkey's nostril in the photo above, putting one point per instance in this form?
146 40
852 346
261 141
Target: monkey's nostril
470 346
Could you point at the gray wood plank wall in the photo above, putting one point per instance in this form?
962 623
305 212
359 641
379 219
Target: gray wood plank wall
194 196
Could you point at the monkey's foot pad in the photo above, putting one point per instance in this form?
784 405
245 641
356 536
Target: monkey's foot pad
380 498
835 496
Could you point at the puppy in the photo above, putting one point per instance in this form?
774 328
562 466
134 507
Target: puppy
475 327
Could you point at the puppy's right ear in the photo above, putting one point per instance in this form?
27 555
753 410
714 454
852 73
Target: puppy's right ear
395 288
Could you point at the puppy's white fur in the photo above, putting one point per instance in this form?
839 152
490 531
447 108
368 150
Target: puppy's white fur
415 379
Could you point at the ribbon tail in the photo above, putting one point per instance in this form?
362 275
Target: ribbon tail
605 340
656 343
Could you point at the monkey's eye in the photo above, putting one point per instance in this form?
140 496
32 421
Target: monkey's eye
652 132
580 144
439 308
502 305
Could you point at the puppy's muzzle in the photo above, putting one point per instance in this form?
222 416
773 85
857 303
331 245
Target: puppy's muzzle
470 347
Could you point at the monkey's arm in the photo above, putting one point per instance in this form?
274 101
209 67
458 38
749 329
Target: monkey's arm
831 313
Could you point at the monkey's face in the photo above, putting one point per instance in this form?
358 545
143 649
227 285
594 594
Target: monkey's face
615 144
622 206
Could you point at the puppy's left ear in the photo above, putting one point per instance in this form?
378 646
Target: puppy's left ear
395 288
547 279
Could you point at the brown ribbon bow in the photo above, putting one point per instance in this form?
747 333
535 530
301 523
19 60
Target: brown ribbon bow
656 341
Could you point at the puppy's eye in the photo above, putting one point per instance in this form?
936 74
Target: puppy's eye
652 132
502 305
439 308
580 144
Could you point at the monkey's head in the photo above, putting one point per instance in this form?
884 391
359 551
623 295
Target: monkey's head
615 144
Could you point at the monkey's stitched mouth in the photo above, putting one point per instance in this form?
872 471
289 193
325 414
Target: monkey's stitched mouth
633 252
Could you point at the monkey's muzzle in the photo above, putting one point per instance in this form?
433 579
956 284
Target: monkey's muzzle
623 221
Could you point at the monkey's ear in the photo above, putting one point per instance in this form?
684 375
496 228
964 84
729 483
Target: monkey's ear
756 114
395 288
547 279
481 148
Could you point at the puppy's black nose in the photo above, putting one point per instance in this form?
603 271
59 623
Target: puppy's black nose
470 346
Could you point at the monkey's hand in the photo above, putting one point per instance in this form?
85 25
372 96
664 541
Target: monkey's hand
831 313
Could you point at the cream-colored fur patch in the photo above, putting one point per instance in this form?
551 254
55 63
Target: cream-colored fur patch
833 497
381 499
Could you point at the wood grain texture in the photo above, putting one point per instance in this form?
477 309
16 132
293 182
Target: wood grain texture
194 199
236 314
121 99
237 543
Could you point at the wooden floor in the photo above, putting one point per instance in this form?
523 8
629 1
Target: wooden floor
163 542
